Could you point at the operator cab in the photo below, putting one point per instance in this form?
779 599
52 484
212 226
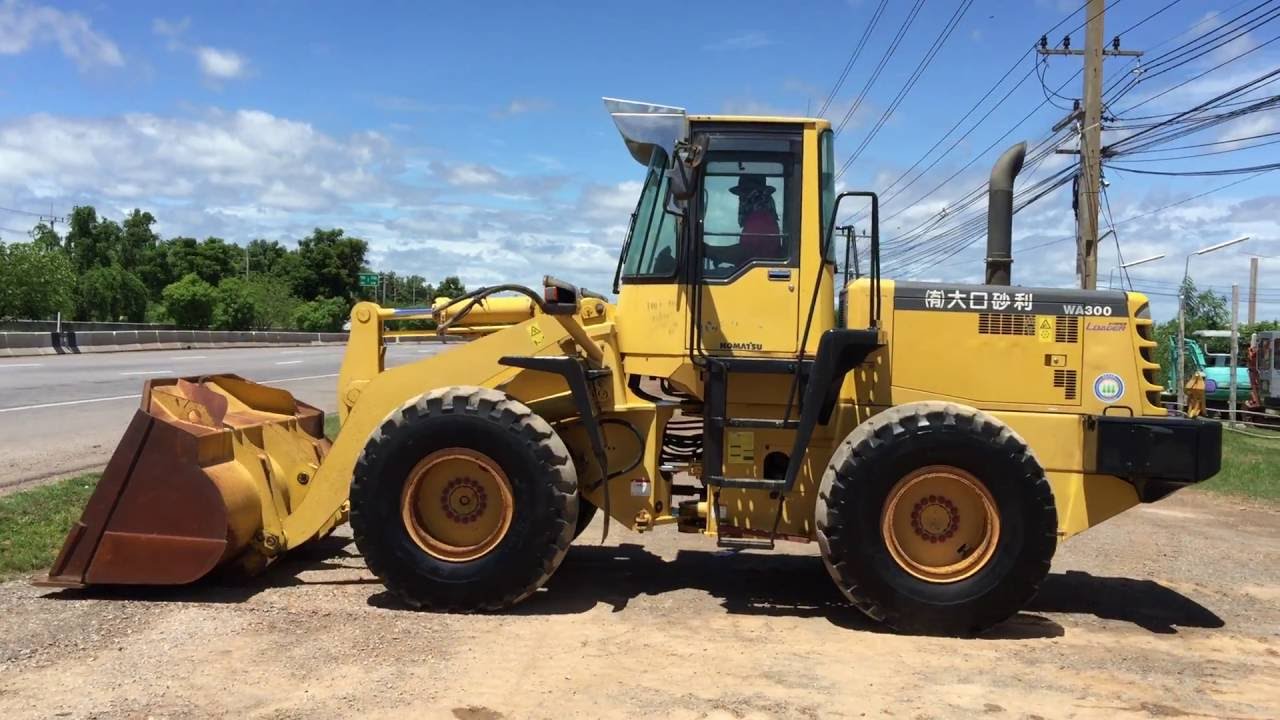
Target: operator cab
728 233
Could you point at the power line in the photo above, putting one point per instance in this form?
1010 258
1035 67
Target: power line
884 60
1200 145
1184 53
1200 173
1197 76
1141 22
1115 235
924 63
853 57
1203 154
1162 208
1127 142
890 193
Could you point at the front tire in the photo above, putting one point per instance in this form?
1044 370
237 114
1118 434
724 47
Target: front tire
464 500
936 518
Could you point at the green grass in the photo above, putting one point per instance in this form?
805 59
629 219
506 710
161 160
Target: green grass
33 523
331 425
1250 466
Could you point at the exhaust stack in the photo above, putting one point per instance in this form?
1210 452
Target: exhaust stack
1000 214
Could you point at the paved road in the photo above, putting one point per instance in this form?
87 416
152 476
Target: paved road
61 415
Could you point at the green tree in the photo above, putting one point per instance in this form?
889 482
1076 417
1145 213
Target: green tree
36 281
329 265
273 301
268 257
451 287
190 302
110 293
81 242
219 259
1203 310
44 236
234 306
322 315
137 239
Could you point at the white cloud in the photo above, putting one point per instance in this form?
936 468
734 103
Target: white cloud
741 41
471 175
247 174
222 158
171 30
217 64
520 106
24 25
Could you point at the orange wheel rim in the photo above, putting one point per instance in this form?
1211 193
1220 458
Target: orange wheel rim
940 524
457 504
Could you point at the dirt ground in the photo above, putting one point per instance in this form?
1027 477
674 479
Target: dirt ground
1171 610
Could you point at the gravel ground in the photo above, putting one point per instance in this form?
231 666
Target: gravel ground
1171 610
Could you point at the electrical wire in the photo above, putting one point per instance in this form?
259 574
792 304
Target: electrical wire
1188 51
923 65
1197 76
1207 144
1200 173
884 60
853 57
1203 154
1160 209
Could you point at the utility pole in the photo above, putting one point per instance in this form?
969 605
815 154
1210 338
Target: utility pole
1089 121
1253 290
1235 347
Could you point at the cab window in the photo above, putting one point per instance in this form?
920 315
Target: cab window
751 201
650 249
827 188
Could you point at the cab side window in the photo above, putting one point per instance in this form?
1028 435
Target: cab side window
751 203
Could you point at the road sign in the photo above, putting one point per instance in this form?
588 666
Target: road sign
368 279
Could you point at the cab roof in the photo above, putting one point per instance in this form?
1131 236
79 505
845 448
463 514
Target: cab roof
816 123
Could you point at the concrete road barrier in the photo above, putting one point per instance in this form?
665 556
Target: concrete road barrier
18 344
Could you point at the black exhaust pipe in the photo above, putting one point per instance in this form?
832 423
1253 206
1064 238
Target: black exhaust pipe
1000 214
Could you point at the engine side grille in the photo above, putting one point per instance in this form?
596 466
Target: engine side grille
1147 351
1067 329
1067 380
1006 324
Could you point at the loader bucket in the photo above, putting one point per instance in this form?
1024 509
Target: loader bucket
202 478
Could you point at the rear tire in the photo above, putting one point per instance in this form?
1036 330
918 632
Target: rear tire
505 460
994 523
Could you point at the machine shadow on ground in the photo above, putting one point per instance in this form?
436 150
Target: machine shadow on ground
799 586
746 583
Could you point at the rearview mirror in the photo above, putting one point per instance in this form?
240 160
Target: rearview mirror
679 181
681 176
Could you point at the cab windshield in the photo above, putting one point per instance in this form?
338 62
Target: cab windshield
650 249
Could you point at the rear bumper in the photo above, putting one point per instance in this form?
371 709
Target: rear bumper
1158 455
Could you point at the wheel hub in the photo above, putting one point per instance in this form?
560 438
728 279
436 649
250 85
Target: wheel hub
935 518
457 504
940 524
463 500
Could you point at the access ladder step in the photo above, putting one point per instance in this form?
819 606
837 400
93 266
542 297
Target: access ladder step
747 483
745 543
767 423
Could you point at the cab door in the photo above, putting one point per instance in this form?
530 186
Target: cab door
749 231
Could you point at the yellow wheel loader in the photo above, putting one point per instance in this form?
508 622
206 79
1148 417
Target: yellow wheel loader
937 440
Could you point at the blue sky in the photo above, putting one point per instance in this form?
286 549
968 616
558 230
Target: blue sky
469 138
